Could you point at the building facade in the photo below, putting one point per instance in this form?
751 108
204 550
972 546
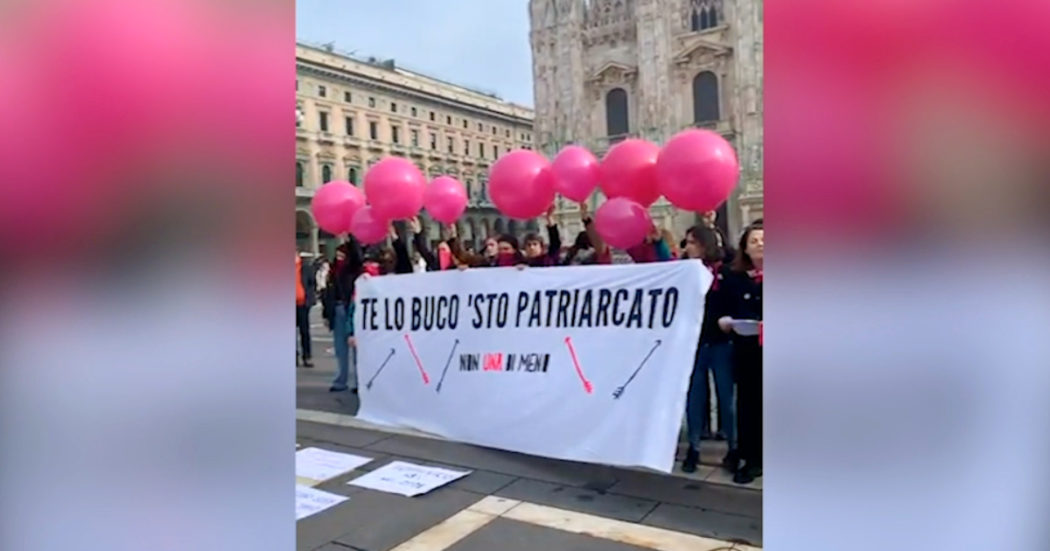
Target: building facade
351 113
606 70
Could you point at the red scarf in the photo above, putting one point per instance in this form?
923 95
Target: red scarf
755 275
715 268
444 258
507 259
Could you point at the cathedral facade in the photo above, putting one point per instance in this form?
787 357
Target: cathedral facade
606 70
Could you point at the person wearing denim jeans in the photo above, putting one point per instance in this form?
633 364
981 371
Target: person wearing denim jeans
339 293
715 358
714 353
342 332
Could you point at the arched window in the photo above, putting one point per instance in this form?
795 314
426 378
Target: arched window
326 174
298 174
616 120
352 175
705 97
704 15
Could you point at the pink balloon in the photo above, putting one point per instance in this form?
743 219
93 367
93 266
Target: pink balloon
368 227
622 223
521 184
697 170
445 199
629 170
576 173
334 206
395 188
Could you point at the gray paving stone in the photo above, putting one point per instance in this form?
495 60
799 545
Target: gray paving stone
713 524
377 521
345 436
578 499
510 535
690 493
503 462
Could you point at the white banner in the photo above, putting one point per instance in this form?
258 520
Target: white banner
587 363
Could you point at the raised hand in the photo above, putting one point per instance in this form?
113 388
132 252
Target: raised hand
550 214
414 225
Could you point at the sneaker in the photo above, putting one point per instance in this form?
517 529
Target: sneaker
692 458
731 461
307 363
334 388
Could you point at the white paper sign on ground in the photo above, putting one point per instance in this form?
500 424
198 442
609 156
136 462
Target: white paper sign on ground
588 363
407 479
309 501
320 465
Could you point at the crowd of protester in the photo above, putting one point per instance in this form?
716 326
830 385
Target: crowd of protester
733 361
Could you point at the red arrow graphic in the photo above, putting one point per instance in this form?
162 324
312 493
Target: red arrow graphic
423 372
587 386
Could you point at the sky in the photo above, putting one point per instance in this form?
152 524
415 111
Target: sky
481 44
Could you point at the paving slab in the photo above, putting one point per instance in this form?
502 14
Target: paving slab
711 524
509 463
511 535
345 436
689 493
578 499
377 521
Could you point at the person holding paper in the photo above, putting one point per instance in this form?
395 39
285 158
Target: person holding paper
714 354
743 301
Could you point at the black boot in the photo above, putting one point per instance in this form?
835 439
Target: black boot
692 458
731 461
747 474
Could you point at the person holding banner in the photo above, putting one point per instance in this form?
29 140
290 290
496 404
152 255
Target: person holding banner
714 355
534 253
742 314
339 296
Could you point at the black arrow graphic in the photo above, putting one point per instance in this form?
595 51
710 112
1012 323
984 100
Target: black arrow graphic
447 363
387 360
619 391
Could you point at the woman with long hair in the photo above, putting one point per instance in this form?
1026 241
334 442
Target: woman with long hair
742 300
338 309
714 355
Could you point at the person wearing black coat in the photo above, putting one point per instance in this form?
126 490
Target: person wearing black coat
337 308
742 300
